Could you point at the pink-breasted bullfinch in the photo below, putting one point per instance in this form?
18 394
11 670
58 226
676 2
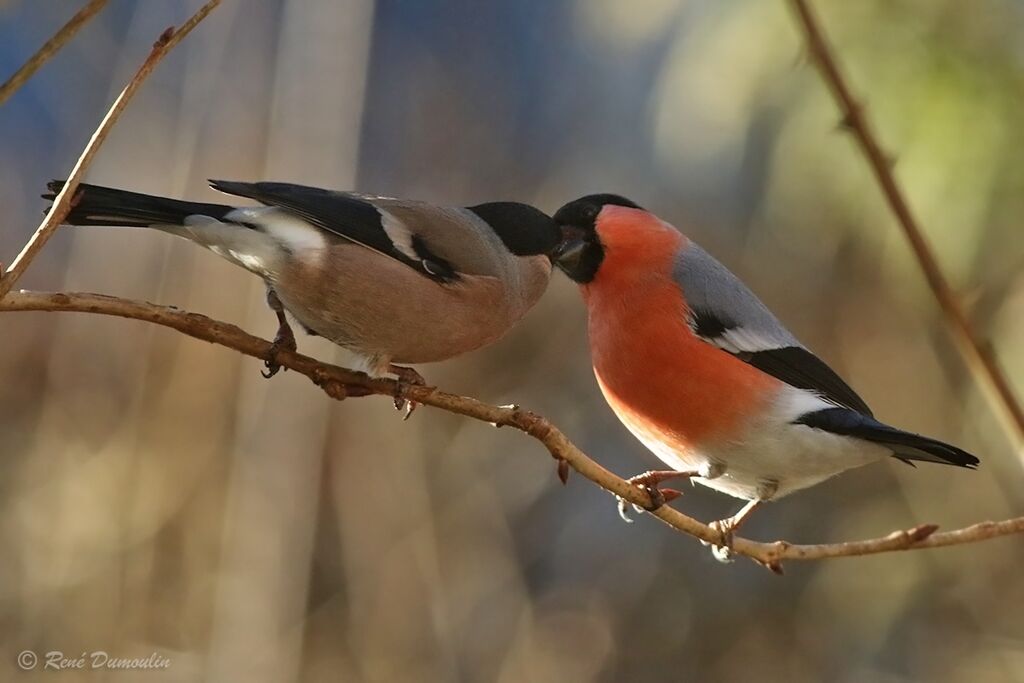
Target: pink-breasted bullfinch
393 280
703 374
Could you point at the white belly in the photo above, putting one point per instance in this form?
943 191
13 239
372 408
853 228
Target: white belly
772 457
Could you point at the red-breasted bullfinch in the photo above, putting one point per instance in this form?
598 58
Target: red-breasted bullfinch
393 280
702 373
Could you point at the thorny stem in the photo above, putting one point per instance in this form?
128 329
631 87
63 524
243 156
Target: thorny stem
976 351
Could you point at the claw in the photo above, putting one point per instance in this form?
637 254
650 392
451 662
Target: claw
648 482
657 500
624 510
407 407
726 529
405 375
723 550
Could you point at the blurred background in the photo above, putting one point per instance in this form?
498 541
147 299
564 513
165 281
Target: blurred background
158 495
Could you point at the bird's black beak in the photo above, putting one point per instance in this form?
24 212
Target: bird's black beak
579 254
568 254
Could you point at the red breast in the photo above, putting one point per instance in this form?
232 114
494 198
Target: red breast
657 376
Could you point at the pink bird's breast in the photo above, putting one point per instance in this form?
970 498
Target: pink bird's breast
675 392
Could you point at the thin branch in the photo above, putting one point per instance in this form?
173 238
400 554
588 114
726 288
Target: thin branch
50 48
65 198
976 351
340 383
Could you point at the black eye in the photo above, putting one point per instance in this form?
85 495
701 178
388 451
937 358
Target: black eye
590 212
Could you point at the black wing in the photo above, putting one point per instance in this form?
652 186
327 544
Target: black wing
343 215
800 368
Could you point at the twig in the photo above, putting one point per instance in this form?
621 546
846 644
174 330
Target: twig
64 200
340 382
976 352
50 48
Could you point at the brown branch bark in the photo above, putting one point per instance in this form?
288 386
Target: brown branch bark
976 351
340 382
62 204
50 48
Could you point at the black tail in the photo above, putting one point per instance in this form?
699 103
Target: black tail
905 445
95 205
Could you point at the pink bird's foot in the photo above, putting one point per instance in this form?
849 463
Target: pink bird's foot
405 376
648 482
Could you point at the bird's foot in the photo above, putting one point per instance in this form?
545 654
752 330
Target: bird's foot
727 528
722 551
284 340
405 376
338 390
648 482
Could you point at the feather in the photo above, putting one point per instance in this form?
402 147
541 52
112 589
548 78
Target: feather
905 445
349 216
798 367
96 205
723 312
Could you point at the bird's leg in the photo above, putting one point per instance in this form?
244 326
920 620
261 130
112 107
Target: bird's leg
710 470
405 376
284 339
648 481
727 529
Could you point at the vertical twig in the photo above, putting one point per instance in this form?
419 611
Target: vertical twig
976 351
50 48
63 202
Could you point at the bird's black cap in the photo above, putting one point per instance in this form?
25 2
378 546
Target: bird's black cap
583 212
525 230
